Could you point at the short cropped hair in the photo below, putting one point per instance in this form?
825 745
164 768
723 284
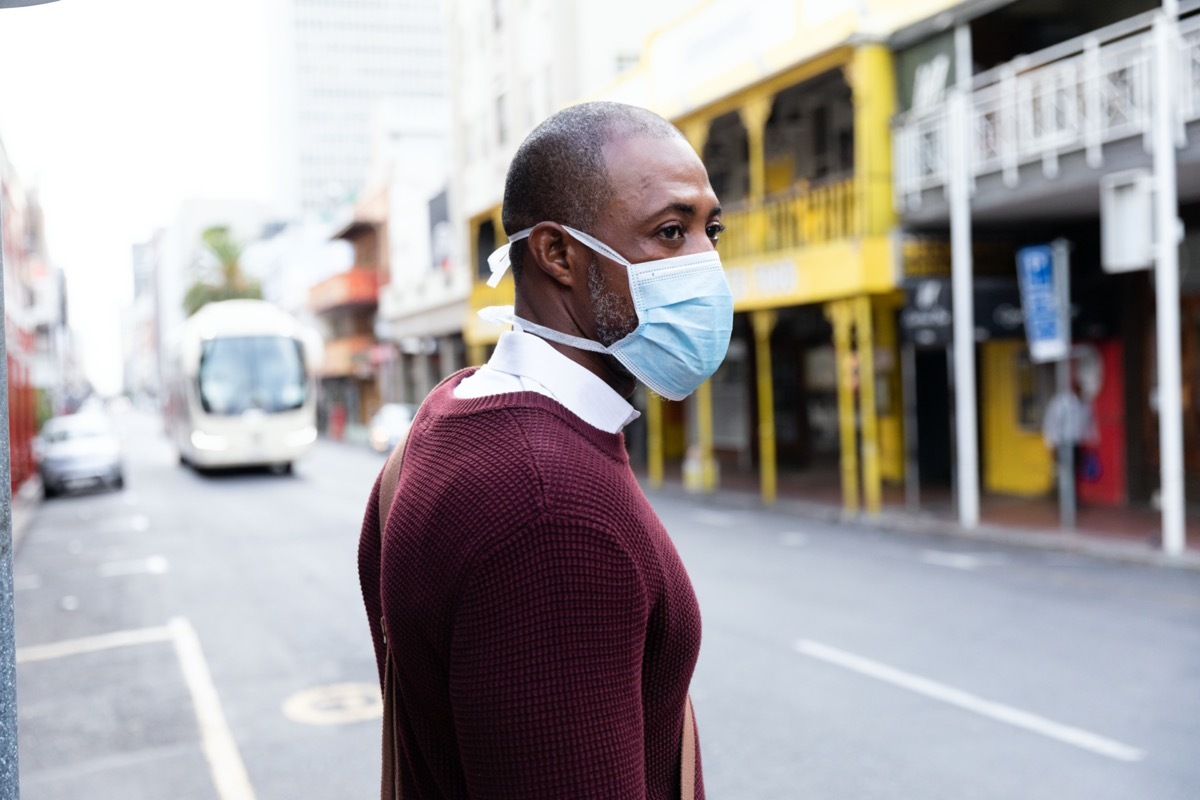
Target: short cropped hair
559 174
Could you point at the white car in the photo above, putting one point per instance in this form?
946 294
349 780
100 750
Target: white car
78 450
389 427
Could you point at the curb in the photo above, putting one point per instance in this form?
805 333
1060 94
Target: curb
25 504
909 522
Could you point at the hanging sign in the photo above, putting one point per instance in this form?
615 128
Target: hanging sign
1042 272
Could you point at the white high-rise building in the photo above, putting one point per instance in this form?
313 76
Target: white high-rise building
338 59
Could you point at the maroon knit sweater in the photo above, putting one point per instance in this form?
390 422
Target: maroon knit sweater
543 628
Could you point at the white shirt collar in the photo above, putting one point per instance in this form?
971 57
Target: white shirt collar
581 391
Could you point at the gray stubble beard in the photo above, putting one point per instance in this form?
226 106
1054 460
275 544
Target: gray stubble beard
615 318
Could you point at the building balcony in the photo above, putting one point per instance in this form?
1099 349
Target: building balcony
1054 117
806 245
800 217
357 287
349 356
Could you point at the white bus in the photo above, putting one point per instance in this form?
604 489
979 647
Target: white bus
241 387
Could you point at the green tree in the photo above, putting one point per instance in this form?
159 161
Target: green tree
221 276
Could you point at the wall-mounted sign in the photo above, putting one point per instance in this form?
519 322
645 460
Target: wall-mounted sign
928 317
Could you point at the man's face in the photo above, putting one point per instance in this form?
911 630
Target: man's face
663 206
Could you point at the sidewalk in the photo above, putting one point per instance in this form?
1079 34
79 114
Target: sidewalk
1129 535
25 505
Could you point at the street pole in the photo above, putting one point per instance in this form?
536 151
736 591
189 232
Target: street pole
10 788
1062 370
1166 283
962 268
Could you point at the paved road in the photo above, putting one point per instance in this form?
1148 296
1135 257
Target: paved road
202 637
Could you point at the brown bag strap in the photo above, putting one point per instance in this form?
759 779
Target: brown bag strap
687 778
389 482
389 786
391 470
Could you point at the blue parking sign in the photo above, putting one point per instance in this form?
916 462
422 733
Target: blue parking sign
1041 271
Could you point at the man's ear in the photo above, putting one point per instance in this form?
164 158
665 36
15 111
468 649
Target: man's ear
554 253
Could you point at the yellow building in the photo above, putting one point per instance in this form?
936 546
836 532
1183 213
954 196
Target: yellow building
789 104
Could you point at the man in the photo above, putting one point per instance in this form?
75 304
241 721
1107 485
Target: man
537 625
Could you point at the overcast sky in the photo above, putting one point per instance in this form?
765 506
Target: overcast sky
118 110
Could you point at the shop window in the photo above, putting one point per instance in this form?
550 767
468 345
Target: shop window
1035 387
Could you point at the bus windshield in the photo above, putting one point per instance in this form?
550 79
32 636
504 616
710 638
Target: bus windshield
238 374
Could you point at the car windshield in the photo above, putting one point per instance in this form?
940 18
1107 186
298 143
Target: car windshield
65 429
241 373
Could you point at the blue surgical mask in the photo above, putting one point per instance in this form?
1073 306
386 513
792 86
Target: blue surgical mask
684 310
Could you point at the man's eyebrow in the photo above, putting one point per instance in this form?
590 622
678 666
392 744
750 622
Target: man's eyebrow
687 209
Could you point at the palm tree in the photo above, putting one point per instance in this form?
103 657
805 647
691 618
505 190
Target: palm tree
231 283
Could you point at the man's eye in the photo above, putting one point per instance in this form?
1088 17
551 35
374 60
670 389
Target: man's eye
715 230
672 232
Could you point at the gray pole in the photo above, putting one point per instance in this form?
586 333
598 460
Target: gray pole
962 285
1066 445
1166 282
10 786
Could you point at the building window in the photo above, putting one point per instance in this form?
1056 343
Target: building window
501 120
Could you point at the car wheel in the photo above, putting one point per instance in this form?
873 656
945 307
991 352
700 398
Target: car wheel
119 482
48 491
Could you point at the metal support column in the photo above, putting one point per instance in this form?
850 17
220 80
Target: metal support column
8 652
912 468
865 348
764 323
704 437
654 439
841 315
1166 281
962 268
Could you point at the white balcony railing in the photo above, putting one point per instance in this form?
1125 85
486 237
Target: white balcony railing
1077 96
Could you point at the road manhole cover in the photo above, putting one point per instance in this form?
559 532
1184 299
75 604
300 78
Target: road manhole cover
336 704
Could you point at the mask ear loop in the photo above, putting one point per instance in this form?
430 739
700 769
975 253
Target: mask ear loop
499 261
598 246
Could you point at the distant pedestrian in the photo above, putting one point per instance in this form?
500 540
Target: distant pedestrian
534 627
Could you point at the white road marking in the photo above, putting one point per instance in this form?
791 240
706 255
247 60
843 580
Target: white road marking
138 523
91 644
224 761
715 519
969 702
793 539
23 583
337 704
154 565
963 561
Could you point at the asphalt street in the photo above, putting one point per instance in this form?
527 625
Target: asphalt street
203 637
